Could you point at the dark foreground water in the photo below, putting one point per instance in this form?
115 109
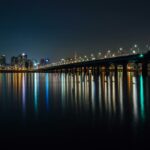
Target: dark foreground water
75 109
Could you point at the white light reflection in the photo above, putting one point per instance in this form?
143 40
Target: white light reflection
63 86
106 92
100 93
135 102
93 94
76 87
72 90
87 92
114 93
79 91
120 92
109 94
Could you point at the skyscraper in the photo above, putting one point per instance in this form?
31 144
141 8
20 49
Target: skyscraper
2 60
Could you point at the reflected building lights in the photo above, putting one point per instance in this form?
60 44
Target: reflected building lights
24 93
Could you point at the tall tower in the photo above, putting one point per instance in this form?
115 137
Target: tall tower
2 60
75 55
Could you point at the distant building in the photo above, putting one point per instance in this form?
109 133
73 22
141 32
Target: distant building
21 62
29 64
14 61
44 61
2 60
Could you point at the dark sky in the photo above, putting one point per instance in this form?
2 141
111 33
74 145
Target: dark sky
56 29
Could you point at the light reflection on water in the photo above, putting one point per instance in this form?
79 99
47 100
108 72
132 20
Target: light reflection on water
78 94
24 93
36 92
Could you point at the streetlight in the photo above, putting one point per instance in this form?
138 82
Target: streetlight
113 55
120 48
135 45
134 52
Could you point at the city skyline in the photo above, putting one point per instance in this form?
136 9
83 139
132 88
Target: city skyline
48 28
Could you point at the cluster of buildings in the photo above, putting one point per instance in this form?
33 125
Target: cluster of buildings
21 62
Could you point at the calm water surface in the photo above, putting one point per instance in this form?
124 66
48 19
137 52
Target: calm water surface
75 108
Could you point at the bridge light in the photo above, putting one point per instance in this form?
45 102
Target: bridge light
120 48
141 55
134 52
113 55
135 45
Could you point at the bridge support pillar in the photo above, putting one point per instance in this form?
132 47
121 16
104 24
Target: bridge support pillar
97 70
92 70
107 71
85 70
125 70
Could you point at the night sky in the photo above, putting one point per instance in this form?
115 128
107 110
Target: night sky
56 29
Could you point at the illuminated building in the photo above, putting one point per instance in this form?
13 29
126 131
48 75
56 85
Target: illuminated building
21 62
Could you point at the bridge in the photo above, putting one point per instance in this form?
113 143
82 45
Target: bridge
96 65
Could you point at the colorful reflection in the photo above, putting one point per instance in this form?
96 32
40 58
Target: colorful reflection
79 93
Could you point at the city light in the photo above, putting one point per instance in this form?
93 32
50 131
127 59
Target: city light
21 62
135 45
134 52
141 55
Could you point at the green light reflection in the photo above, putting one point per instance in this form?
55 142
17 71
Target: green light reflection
142 97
